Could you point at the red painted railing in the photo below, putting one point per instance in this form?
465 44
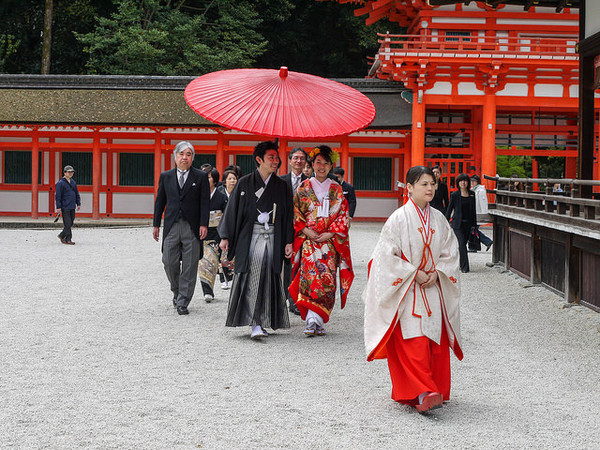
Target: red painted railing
549 47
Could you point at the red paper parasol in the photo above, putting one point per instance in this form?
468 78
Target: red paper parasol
279 103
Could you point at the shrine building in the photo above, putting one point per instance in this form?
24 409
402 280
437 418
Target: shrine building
479 82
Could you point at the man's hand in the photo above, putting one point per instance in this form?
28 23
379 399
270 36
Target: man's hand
433 276
155 233
289 251
224 245
59 210
78 207
324 237
203 232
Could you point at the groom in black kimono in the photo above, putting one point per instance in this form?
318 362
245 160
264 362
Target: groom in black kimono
257 231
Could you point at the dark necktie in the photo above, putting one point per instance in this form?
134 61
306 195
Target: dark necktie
181 180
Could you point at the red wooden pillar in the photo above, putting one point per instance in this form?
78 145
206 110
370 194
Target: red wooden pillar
283 155
535 169
476 138
488 136
35 166
157 159
97 167
418 134
345 158
570 167
220 163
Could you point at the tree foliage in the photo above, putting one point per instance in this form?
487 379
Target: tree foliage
153 37
188 37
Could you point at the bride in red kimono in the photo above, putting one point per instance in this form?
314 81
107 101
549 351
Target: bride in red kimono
412 314
321 244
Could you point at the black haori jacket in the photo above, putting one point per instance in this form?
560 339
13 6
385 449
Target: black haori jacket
242 212
192 200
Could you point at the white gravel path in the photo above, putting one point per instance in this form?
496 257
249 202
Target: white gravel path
93 355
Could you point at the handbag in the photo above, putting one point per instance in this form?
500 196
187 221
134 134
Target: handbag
474 243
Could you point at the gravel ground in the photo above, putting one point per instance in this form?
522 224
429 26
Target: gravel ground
94 356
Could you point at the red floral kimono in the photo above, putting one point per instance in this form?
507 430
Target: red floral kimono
315 263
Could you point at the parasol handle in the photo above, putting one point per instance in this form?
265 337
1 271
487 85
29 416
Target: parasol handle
283 72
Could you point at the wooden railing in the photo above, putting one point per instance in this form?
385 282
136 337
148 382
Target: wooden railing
543 46
525 193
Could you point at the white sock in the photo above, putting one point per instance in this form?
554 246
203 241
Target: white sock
422 396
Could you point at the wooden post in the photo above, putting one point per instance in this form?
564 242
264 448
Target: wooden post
418 134
345 159
488 137
283 156
35 167
96 164
157 158
220 157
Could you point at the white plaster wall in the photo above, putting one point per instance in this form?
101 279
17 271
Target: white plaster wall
375 207
86 202
514 89
129 203
43 202
468 89
102 203
15 201
441 88
548 90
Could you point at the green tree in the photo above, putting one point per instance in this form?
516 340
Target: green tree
509 165
9 46
153 37
322 38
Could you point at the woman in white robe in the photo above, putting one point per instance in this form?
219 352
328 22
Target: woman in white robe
412 314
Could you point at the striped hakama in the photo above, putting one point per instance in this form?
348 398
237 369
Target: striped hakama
257 296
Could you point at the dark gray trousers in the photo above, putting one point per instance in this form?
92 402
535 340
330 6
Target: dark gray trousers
181 252
68 217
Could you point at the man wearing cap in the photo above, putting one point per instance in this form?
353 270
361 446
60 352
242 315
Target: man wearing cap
67 200
183 196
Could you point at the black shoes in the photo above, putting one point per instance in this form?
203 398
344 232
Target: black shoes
174 302
294 309
182 310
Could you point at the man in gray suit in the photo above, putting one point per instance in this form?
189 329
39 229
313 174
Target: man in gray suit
183 195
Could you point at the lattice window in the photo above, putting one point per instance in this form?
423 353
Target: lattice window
82 162
372 174
136 169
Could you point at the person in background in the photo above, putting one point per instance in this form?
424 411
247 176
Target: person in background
308 169
348 189
230 179
67 201
321 244
462 216
296 162
440 198
211 260
481 209
257 231
412 298
183 196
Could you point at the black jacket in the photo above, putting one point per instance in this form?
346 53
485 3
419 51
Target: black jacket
440 198
218 202
192 200
455 206
288 179
350 195
241 214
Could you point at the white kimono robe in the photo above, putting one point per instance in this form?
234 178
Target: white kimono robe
410 240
